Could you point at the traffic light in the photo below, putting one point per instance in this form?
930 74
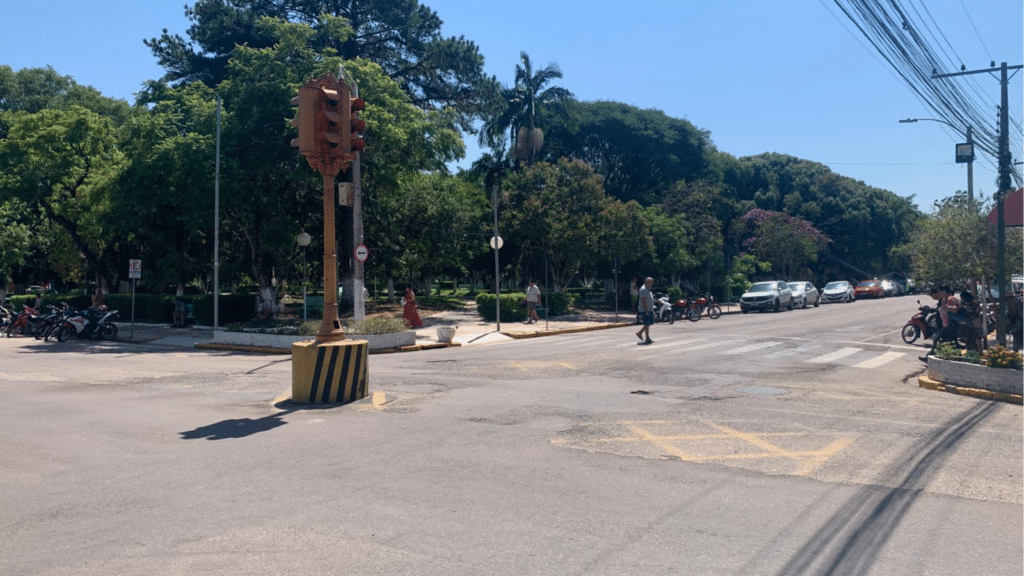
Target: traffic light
356 125
319 121
305 120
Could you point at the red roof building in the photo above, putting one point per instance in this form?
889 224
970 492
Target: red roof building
1013 210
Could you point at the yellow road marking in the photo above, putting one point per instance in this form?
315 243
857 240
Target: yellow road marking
809 460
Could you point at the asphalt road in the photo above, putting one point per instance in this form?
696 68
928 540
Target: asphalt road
775 444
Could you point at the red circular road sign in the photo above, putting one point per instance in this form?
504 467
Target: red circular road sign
362 252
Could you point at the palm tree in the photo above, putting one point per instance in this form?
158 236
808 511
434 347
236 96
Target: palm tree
523 104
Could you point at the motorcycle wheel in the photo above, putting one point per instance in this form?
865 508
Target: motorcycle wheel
714 312
108 331
64 332
693 315
910 333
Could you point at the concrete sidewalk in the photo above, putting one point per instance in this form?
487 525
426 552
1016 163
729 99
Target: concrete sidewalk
471 329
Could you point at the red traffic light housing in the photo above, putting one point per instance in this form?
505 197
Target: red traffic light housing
356 125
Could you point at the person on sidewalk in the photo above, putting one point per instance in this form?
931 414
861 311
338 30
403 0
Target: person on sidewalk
645 303
409 311
532 299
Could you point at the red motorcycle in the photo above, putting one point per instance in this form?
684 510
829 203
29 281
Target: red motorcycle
686 308
924 323
24 323
707 302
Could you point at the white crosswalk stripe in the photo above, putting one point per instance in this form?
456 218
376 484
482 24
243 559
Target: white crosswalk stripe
833 356
679 343
879 360
792 351
753 347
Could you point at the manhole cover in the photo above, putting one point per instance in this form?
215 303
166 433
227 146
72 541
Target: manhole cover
762 390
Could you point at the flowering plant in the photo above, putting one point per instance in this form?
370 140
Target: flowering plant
1000 357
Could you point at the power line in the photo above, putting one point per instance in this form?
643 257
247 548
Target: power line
976 31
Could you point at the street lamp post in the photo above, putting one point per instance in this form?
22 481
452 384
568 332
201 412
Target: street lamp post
970 154
304 240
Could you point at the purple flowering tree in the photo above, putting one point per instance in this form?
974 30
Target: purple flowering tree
788 243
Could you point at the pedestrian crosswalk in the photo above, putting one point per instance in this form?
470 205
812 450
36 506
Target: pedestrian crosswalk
730 347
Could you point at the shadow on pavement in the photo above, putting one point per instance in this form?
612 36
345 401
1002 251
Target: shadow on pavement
850 541
236 427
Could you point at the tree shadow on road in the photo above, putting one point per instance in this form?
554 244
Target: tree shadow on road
851 540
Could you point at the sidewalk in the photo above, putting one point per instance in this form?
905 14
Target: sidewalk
471 329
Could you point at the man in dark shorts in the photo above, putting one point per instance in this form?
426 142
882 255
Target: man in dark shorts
645 304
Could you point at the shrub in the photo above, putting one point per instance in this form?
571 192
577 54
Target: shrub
513 307
1000 357
384 324
233 308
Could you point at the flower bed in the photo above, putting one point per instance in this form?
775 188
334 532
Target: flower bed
969 375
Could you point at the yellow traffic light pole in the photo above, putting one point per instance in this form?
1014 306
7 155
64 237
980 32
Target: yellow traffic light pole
330 369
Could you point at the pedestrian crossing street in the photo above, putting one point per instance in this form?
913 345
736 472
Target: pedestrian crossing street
729 347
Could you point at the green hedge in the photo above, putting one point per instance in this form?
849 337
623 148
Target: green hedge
233 308
513 307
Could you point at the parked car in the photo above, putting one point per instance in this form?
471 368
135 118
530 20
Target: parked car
872 288
804 293
838 291
889 288
767 296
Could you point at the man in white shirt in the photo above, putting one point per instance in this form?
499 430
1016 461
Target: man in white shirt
532 299
646 307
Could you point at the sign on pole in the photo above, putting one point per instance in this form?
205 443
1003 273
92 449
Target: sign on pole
362 253
135 268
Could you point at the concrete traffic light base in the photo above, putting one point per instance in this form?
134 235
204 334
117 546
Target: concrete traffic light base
329 372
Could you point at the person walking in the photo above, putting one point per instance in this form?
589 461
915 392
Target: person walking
410 313
532 299
645 303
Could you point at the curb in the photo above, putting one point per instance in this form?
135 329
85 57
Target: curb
237 348
538 334
925 382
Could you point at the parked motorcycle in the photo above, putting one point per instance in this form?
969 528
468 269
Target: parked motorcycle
662 310
93 323
707 303
686 308
22 323
924 323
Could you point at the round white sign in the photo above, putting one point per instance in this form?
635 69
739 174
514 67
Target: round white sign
497 244
362 252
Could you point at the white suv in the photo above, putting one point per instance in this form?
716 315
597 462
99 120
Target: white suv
767 296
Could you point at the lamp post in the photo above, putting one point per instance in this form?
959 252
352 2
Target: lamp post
304 240
968 153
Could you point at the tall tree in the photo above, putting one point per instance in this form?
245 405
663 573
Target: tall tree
64 162
639 153
402 36
525 106
955 244
536 219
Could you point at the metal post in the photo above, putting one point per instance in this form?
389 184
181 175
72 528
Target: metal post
216 230
330 328
1004 187
358 300
970 171
497 281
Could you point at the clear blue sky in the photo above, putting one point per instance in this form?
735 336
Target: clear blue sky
784 76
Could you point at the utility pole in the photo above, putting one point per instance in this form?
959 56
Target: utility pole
1004 186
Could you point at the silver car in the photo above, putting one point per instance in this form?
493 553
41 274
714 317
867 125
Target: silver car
767 296
804 293
838 291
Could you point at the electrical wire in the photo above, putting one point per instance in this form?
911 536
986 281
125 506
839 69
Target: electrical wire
901 37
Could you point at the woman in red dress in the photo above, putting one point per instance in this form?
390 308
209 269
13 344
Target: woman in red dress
409 311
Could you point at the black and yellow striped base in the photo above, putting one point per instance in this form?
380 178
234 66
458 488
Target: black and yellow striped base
329 372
